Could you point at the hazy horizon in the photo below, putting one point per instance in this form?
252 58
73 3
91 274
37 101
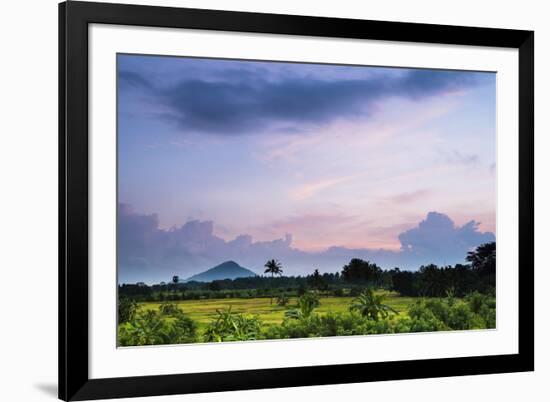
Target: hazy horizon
193 248
306 163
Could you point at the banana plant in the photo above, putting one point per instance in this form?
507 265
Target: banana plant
371 305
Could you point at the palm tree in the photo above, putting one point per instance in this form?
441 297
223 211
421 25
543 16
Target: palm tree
175 281
273 267
371 305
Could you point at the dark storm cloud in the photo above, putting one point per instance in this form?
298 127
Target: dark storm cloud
147 253
249 102
130 79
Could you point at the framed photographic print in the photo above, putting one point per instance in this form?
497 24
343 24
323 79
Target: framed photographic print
257 201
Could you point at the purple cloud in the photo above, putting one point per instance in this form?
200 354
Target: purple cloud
438 237
150 254
238 101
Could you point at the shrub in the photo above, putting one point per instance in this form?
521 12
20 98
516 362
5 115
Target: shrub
439 308
127 309
484 306
229 326
169 309
294 328
282 299
475 311
331 324
306 304
461 317
153 328
422 319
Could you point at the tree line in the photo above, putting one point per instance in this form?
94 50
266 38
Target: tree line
477 275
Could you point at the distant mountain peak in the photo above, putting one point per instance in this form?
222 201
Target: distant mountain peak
226 270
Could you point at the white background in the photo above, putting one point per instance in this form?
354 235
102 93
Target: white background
28 206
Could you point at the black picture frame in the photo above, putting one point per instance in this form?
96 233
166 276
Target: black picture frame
74 18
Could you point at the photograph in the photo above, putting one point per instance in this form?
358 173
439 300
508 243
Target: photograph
271 200
260 199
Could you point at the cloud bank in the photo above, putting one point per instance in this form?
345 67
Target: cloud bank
150 254
251 99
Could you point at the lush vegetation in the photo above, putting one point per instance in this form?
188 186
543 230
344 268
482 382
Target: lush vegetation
363 299
167 325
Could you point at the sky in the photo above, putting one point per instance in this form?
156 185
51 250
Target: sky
310 164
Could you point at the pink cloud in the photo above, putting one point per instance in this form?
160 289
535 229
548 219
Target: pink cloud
308 190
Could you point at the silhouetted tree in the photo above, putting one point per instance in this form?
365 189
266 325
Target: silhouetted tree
317 281
483 263
273 267
361 271
483 259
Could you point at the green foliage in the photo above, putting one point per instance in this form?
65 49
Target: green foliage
331 324
153 328
306 304
476 311
167 324
229 326
371 305
127 309
457 298
423 319
169 309
282 299
461 317
484 306
450 296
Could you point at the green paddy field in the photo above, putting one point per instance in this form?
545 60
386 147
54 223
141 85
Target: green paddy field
204 311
